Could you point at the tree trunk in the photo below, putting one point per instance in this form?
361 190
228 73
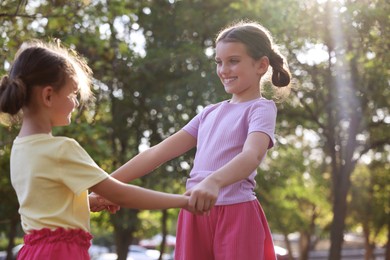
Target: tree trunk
306 237
11 236
337 228
304 246
369 248
288 245
125 223
387 257
123 238
164 232
369 254
345 116
341 185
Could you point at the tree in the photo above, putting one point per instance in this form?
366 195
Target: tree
9 217
337 95
142 96
293 191
369 207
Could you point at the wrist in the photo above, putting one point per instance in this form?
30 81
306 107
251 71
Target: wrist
214 181
183 201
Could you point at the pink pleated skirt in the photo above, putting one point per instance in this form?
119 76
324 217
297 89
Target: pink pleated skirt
229 232
58 244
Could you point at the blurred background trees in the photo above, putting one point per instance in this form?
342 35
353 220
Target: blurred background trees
153 64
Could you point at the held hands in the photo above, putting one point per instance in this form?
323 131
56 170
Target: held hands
98 203
202 197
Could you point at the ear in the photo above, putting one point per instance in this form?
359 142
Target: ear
262 65
47 95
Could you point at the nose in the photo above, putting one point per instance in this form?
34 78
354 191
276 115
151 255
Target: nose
222 68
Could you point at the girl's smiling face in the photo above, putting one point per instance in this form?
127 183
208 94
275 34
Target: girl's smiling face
239 73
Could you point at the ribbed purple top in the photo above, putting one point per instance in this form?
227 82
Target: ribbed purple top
221 130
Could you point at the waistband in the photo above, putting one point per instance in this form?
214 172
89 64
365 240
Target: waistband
45 235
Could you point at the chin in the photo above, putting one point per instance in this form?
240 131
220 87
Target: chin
65 123
229 91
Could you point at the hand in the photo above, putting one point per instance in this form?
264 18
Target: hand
190 208
113 208
202 197
98 203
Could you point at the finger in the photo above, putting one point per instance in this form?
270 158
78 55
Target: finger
206 206
110 209
212 204
200 205
100 208
114 208
192 203
96 208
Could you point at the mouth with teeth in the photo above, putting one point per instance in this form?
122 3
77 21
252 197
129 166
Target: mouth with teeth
229 80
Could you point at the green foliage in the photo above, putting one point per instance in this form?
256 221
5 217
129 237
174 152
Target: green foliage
102 229
143 97
8 201
370 194
293 191
151 223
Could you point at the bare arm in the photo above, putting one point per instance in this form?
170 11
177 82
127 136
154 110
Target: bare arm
136 197
150 159
131 196
204 195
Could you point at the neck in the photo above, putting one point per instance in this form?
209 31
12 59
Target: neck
34 125
235 99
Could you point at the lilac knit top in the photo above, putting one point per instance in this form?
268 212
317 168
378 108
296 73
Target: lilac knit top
221 130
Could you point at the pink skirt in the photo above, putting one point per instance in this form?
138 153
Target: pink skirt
230 232
61 244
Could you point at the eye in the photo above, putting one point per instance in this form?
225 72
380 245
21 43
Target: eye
234 61
218 62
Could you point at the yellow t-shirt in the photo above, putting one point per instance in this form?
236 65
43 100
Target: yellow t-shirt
51 176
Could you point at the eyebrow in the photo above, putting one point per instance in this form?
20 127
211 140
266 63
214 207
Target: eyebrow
229 57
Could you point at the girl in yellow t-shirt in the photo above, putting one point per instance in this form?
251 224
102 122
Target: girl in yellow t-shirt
51 175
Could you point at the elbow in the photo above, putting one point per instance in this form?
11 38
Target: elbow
254 158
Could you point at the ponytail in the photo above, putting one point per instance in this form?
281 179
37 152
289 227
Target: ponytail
13 94
280 75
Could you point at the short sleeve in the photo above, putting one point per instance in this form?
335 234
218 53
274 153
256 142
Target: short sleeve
79 171
262 118
193 126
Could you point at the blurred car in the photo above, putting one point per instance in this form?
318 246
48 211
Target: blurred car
105 256
96 250
281 253
139 253
135 253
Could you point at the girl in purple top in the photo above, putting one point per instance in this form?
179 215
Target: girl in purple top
231 138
